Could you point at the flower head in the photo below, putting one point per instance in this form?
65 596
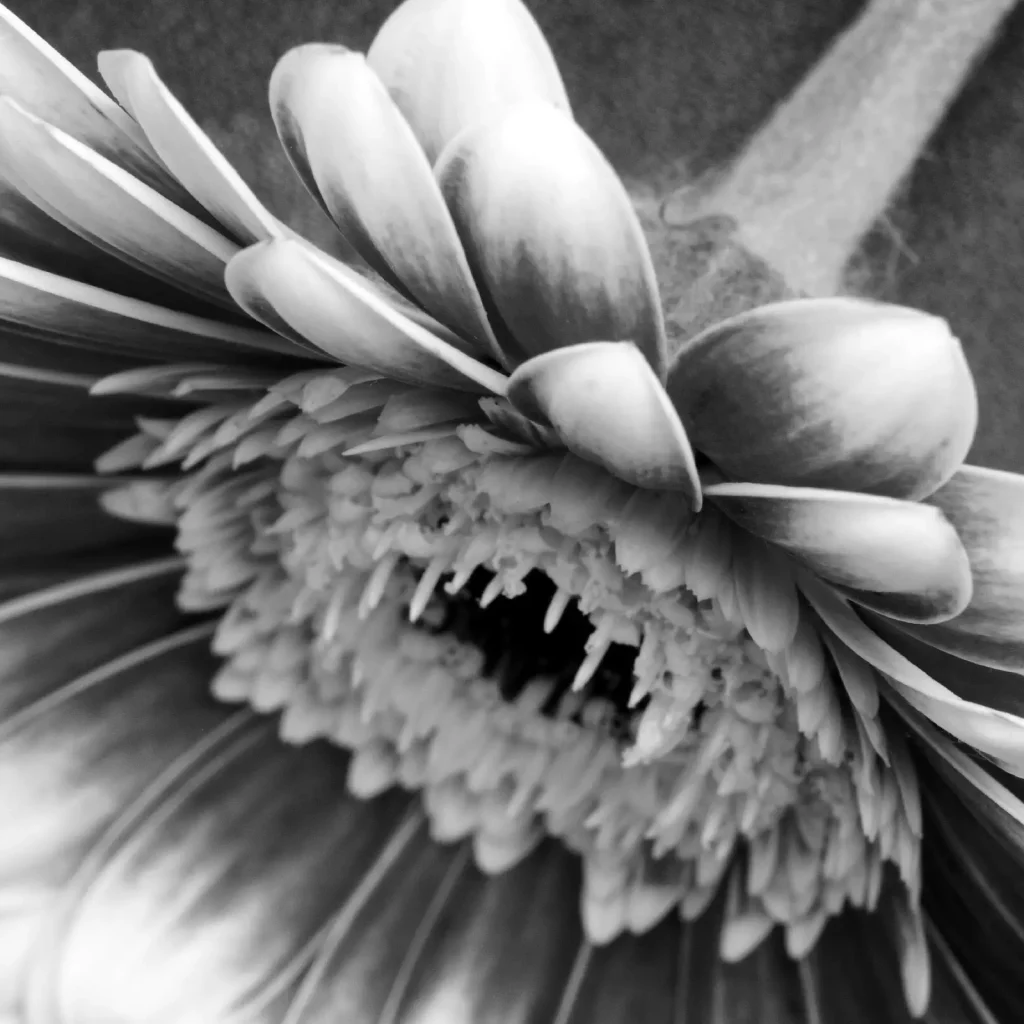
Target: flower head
452 502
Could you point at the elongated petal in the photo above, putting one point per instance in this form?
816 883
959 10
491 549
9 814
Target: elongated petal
134 943
987 508
835 393
48 517
39 78
30 235
996 733
898 557
70 428
451 64
452 945
551 235
338 312
353 145
107 206
972 859
64 309
604 401
183 146
983 684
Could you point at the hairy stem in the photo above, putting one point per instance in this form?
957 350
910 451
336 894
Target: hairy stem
825 166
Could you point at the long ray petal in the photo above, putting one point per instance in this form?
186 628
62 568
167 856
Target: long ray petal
210 894
183 146
45 518
105 205
972 861
346 317
984 684
837 393
35 75
69 428
998 734
498 948
897 557
59 307
551 236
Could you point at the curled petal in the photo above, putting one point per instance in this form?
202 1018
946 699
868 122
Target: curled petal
835 393
897 557
286 283
183 146
357 154
451 64
605 403
998 734
33 74
551 235
109 207
987 508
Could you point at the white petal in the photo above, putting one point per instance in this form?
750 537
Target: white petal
451 64
605 403
987 508
331 306
897 557
996 733
836 393
48 305
185 148
33 74
109 207
355 151
551 235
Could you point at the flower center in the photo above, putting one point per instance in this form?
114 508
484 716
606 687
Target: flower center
543 650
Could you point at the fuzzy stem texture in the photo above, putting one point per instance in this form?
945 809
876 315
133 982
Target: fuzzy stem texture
793 208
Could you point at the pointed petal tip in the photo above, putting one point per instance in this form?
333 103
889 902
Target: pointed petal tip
606 404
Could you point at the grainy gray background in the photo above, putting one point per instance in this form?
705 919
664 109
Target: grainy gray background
656 83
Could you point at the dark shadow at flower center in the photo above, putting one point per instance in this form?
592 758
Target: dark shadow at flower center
510 633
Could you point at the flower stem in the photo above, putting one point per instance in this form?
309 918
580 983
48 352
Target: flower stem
825 166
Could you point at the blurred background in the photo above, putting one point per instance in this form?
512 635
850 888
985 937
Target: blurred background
668 89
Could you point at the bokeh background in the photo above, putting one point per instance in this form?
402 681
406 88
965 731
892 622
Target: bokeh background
667 88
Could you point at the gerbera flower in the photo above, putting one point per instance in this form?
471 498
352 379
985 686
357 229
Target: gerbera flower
711 638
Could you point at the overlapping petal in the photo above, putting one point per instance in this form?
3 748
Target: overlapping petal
355 151
524 251
605 403
40 79
286 282
987 508
452 64
898 557
110 208
185 149
551 236
998 734
68 310
836 393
